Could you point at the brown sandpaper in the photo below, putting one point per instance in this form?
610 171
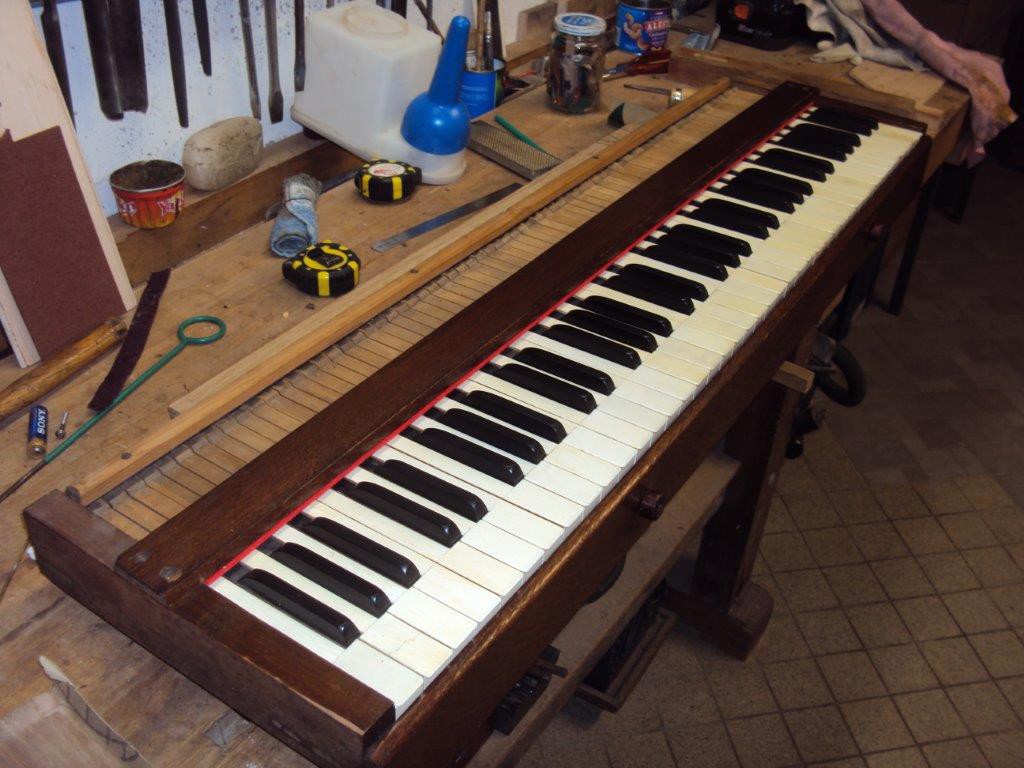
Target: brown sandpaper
50 253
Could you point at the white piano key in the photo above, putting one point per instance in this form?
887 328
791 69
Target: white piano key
614 451
408 646
489 573
626 410
602 422
503 546
460 593
385 675
434 618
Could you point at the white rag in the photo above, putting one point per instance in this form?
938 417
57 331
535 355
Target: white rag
845 21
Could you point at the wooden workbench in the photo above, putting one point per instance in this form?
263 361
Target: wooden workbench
239 281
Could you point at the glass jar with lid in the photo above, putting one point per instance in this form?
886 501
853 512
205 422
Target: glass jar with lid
576 62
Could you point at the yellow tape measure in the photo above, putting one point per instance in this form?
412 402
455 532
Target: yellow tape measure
323 269
386 181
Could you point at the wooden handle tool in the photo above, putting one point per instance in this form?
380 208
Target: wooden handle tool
50 373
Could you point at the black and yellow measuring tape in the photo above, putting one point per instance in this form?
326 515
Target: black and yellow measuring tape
386 181
323 269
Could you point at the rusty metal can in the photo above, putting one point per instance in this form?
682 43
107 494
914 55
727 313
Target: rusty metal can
576 62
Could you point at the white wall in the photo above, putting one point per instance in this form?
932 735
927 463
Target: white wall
109 144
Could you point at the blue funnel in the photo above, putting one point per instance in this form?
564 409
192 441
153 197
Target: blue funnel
437 121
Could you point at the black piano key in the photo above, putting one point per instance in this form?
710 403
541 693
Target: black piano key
794 189
701 265
717 256
758 195
570 370
692 234
554 389
675 284
814 168
363 550
328 575
629 287
441 492
738 218
393 505
490 432
595 345
835 136
625 313
511 412
813 146
609 328
297 604
847 121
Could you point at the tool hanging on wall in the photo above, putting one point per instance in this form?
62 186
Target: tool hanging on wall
276 101
126 23
250 58
323 269
101 46
444 218
499 47
50 20
386 181
428 15
184 340
203 34
177 56
300 45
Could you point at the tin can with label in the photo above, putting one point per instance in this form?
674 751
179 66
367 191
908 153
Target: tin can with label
642 25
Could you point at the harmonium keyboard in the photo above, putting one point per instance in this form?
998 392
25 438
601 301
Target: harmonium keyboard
369 588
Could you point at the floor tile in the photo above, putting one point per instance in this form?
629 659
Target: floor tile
902 578
927 618
741 692
1003 750
762 742
797 684
779 520
923 535
1010 599
876 725
903 668
811 510
983 492
1007 523
948 572
1013 690
827 632
878 625
878 541
943 497
900 501
851 676
806 590
782 641
930 716
954 661
909 757
691 711
640 750
968 530
849 762
1001 652
993 566
820 733
786 552
856 506
854 584
832 546
983 708
975 611
958 753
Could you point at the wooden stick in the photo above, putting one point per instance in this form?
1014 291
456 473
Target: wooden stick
794 377
254 373
49 374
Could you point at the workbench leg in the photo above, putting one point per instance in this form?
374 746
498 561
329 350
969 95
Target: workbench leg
924 205
723 604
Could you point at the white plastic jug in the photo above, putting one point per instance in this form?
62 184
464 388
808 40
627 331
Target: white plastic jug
363 66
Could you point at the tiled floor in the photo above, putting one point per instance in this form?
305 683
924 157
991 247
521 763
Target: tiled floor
894 550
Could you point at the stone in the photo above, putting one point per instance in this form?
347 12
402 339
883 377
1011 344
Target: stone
222 153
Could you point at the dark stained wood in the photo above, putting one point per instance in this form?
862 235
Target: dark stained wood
218 526
313 707
211 219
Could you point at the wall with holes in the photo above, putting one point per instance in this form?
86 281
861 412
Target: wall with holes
109 144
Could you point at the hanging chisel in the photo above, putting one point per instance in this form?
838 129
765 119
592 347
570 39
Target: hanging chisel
177 53
250 58
300 45
203 35
55 48
101 46
126 23
276 103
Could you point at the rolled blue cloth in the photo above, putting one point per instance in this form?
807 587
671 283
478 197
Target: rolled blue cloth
295 228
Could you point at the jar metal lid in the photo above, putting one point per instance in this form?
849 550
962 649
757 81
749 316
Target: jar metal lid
580 24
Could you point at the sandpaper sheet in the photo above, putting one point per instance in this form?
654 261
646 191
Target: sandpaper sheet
50 254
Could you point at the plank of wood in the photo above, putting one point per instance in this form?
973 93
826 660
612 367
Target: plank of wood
259 370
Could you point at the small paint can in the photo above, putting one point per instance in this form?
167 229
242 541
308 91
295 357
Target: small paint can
38 431
482 91
149 193
642 25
